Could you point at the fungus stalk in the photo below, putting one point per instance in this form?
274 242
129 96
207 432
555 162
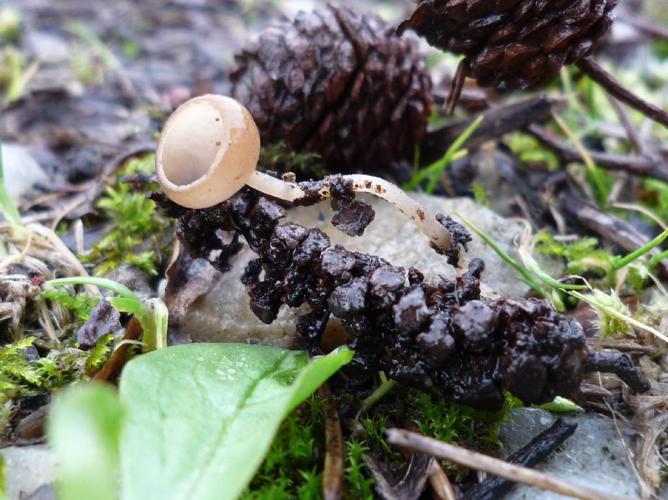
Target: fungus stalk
209 150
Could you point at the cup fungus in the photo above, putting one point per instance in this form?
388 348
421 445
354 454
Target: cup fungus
209 149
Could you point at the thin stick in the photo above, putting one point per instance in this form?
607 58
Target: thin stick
456 89
534 452
332 477
631 132
497 121
478 461
381 391
440 484
640 166
646 27
594 71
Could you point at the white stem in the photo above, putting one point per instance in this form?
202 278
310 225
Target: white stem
426 221
404 203
272 186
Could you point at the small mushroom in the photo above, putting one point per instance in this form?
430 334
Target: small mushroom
209 149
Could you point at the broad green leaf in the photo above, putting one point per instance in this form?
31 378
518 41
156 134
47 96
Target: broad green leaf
201 417
84 431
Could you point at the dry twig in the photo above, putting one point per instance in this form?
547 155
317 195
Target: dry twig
496 122
640 166
534 452
333 473
441 486
647 27
485 463
592 69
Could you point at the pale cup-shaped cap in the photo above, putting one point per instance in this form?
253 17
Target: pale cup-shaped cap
208 149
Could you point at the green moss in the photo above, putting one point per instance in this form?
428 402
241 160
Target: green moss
80 305
358 484
581 256
585 257
451 422
608 323
20 377
136 227
17 374
305 165
529 150
139 165
292 467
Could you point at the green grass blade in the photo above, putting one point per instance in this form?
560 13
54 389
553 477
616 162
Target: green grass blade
635 255
521 269
115 287
434 171
7 206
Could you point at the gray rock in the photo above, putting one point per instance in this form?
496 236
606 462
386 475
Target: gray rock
26 469
224 313
46 47
595 456
21 170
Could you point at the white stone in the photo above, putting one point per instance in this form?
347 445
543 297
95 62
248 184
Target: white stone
27 468
21 170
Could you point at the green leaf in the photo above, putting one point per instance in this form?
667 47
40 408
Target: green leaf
7 207
152 315
3 479
84 430
561 405
201 417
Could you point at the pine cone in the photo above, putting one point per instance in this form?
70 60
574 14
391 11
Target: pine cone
336 83
513 43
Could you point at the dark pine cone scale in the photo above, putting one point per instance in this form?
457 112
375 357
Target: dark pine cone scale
337 83
442 335
513 43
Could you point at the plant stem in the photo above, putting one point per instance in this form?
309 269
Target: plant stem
526 274
601 191
594 70
115 287
436 169
381 391
625 261
6 204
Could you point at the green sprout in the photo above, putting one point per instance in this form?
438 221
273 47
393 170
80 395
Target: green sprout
14 74
522 270
7 206
622 262
10 24
152 314
434 172
613 319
